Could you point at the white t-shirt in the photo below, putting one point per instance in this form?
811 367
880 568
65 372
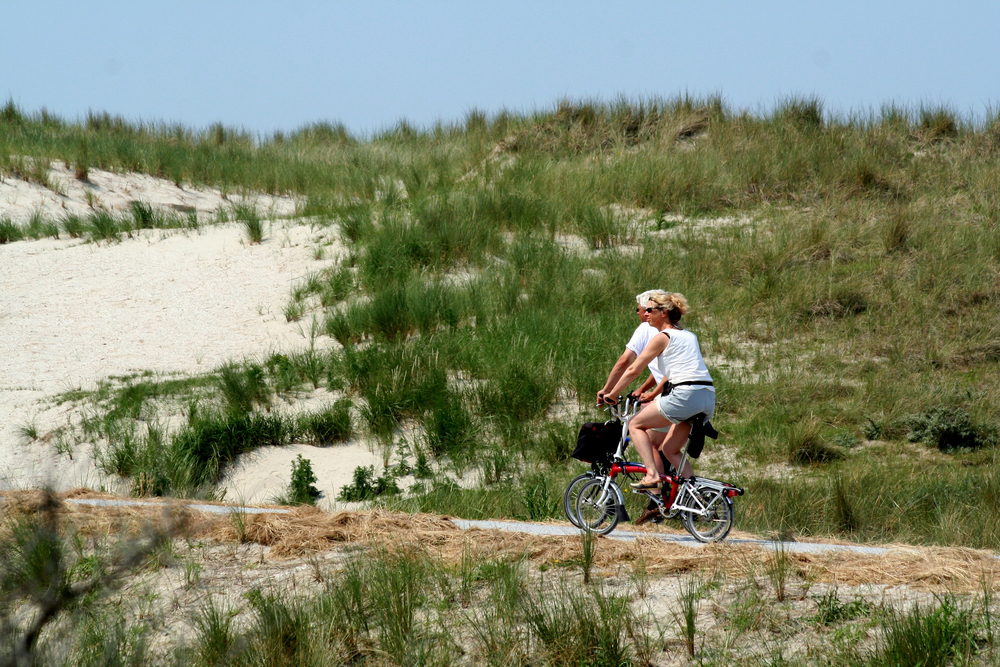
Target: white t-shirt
640 338
683 359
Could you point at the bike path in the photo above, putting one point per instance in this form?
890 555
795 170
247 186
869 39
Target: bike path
529 528
683 540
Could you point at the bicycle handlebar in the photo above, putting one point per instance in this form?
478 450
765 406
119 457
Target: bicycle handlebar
622 405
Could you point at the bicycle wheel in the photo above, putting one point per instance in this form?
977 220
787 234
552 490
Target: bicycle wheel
597 508
717 521
571 493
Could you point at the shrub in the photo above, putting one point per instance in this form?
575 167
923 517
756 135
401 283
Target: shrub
365 486
871 429
301 489
845 439
946 429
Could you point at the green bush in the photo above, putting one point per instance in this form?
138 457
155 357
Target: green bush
103 226
365 486
945 428
301 489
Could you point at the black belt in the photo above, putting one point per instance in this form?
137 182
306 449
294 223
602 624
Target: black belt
702 383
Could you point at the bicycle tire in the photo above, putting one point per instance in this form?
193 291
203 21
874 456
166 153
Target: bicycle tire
596 508
717 524
571 493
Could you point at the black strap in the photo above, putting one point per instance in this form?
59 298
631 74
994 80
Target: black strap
702 383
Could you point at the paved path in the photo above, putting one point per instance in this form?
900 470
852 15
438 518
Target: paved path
684 540
525 527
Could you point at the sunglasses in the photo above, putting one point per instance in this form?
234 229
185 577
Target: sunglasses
649 310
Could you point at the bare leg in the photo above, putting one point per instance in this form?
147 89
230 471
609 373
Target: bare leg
638 430
673 444
656 440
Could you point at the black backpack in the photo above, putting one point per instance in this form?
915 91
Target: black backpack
597 442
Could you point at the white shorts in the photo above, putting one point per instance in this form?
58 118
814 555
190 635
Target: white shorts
685 402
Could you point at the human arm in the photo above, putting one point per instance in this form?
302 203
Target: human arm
655 392
647 391
628 356
653 349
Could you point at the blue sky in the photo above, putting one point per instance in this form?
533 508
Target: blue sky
268 66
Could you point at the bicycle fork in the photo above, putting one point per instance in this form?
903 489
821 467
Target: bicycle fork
607 494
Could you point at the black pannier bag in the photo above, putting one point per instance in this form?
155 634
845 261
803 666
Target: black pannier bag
597 442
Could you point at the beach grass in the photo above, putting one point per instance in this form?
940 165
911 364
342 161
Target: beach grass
842 269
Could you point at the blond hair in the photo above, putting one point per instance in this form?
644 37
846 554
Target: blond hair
673 303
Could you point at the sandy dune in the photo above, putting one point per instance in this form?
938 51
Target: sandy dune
74 313
19 199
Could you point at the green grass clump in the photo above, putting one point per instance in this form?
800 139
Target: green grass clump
191 461
253 223
74 226
928 637
9 231
328 426
831 610
806 445
243 387
104 226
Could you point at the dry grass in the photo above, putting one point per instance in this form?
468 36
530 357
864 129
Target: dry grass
307 530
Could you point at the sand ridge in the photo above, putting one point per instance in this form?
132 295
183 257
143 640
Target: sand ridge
108 190
176 303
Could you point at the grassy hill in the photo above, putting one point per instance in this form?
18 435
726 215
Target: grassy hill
843 274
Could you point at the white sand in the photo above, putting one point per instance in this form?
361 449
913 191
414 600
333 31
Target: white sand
108 190
74 313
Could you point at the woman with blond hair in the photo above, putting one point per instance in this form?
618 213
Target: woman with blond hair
688 387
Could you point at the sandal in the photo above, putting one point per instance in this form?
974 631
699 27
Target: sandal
641 486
